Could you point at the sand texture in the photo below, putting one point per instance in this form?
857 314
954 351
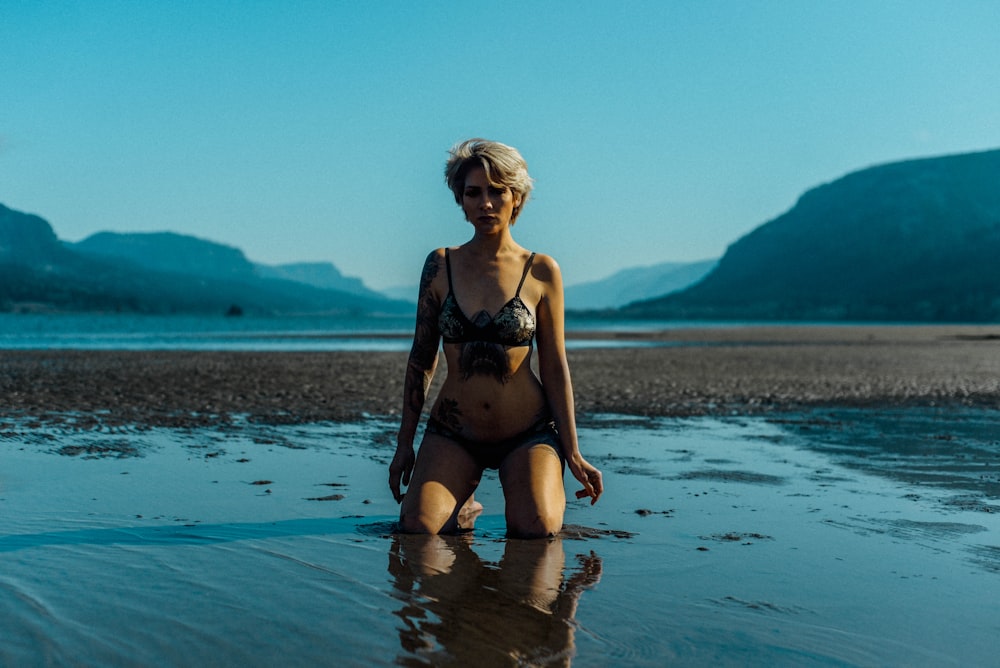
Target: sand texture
796 497
671 373
828 537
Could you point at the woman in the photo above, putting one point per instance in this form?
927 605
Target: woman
489 300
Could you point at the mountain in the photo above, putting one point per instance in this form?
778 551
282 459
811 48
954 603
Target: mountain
637 283
183 254
406 292
909 241
150 273
169 252
36 270
323 275
26 239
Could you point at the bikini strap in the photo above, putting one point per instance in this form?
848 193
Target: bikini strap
447 264
527 267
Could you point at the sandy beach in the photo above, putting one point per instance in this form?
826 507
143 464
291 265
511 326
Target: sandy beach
775 496
681 372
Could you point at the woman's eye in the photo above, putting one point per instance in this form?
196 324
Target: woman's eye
497 191
472 192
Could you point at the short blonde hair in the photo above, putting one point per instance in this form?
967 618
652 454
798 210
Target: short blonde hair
503 165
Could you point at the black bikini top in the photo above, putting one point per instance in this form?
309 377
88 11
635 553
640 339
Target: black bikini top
513 324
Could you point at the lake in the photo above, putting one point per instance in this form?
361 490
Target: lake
304 333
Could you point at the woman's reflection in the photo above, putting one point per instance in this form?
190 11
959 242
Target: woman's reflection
460 610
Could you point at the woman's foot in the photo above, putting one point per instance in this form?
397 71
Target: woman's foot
468 513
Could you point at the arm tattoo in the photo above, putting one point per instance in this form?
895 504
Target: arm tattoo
426 338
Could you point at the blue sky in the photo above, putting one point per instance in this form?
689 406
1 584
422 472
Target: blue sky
317 131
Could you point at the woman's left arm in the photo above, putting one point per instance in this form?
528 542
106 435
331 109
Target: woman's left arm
554 370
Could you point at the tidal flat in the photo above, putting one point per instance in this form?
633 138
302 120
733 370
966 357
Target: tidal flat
827 536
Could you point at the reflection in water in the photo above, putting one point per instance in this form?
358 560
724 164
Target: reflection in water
460 610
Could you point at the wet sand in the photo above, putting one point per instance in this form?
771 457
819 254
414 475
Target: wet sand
675 373
826 537
776 496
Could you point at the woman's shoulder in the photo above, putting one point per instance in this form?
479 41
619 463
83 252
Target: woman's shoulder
434 268
544 267
435 259
437 254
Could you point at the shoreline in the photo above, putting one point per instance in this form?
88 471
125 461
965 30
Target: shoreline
686 372
155 477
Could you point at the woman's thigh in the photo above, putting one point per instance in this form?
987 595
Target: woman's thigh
532 478
444 476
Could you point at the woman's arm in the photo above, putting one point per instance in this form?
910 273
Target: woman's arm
419 372
555 377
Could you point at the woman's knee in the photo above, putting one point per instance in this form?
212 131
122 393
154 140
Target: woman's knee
420 521
429 514
539 524
415 524
443 474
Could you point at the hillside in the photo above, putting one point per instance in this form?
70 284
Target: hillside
907 241
169 252
27 239
150 273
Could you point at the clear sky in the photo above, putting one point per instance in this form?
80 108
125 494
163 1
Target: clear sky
317 131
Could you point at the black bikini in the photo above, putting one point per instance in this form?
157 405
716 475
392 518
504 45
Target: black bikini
490 454
513 324
483 342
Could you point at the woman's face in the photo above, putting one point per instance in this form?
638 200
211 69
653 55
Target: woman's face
487 206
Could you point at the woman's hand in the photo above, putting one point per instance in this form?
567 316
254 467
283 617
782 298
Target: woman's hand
400 469
589 476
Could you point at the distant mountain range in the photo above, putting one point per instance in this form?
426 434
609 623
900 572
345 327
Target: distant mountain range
181 254
636 283
909 241
163 273
321 275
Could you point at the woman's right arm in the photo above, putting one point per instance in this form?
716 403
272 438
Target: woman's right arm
419 372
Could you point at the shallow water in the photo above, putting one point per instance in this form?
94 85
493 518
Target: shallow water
66 331
828 538
189 332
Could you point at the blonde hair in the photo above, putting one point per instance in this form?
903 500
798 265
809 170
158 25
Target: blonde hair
503 165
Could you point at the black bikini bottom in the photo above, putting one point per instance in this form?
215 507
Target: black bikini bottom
490 454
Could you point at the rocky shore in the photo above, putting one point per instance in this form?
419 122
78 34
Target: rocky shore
667 373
